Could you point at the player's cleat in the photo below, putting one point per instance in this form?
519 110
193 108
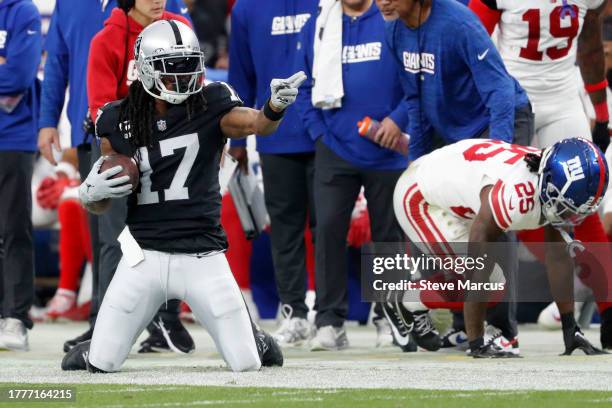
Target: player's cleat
155 343
606 329
330 338
425 335
384 337
293 331
270 353
455 338
167 335
494 336
62 302
13 335
78 359
401 323
490 351
69 344
576 340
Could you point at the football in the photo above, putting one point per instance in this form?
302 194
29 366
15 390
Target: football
130 168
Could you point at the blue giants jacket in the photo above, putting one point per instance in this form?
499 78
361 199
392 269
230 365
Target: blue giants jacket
262 47
371 88
464 86
21 47
73 24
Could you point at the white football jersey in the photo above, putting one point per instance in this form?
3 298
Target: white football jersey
538 41
452 177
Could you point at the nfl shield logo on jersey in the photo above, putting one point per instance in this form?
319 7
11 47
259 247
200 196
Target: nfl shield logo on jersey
161 125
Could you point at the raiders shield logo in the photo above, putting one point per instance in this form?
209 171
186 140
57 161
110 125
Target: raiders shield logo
161 125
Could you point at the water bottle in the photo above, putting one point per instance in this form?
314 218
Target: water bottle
368 128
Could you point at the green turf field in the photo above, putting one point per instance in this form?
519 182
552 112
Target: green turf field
106 395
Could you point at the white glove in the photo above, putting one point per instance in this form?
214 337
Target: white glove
284 91
99 186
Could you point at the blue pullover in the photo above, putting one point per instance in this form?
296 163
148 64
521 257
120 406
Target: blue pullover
371 88
21 47
262 47
464 86
73 24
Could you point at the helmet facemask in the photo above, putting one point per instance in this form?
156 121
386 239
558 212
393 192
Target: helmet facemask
560 211
173 77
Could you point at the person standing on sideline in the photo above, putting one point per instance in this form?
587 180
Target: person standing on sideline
20 52
110 72
67 46
263 44
343 52
456 87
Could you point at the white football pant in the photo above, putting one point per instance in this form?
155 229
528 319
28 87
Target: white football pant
426 225
205 283
429 227
558 119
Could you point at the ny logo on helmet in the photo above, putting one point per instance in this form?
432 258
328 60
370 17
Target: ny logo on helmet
573 172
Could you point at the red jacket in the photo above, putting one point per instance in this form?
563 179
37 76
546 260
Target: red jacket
107 65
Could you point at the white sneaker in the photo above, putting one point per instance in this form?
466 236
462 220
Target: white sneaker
14 335
454 338
493 335
550 318
384 337
330 338
62 302
293 331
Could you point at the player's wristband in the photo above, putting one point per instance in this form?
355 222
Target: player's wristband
601 112
590 88
271 114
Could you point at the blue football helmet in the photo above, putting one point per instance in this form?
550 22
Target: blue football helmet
573 180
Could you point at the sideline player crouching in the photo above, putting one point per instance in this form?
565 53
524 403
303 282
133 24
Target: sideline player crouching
502 187
173 247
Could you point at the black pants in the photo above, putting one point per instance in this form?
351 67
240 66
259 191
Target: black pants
85 163
288 188
524 126
16 242
110 225
336 187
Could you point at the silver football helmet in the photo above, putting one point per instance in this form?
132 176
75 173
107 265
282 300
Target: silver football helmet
169 62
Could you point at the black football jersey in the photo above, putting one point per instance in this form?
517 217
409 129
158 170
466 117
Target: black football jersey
177 205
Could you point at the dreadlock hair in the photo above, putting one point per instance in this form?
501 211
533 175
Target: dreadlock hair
533 161
137 115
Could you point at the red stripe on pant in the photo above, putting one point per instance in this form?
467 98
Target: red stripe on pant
416 215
